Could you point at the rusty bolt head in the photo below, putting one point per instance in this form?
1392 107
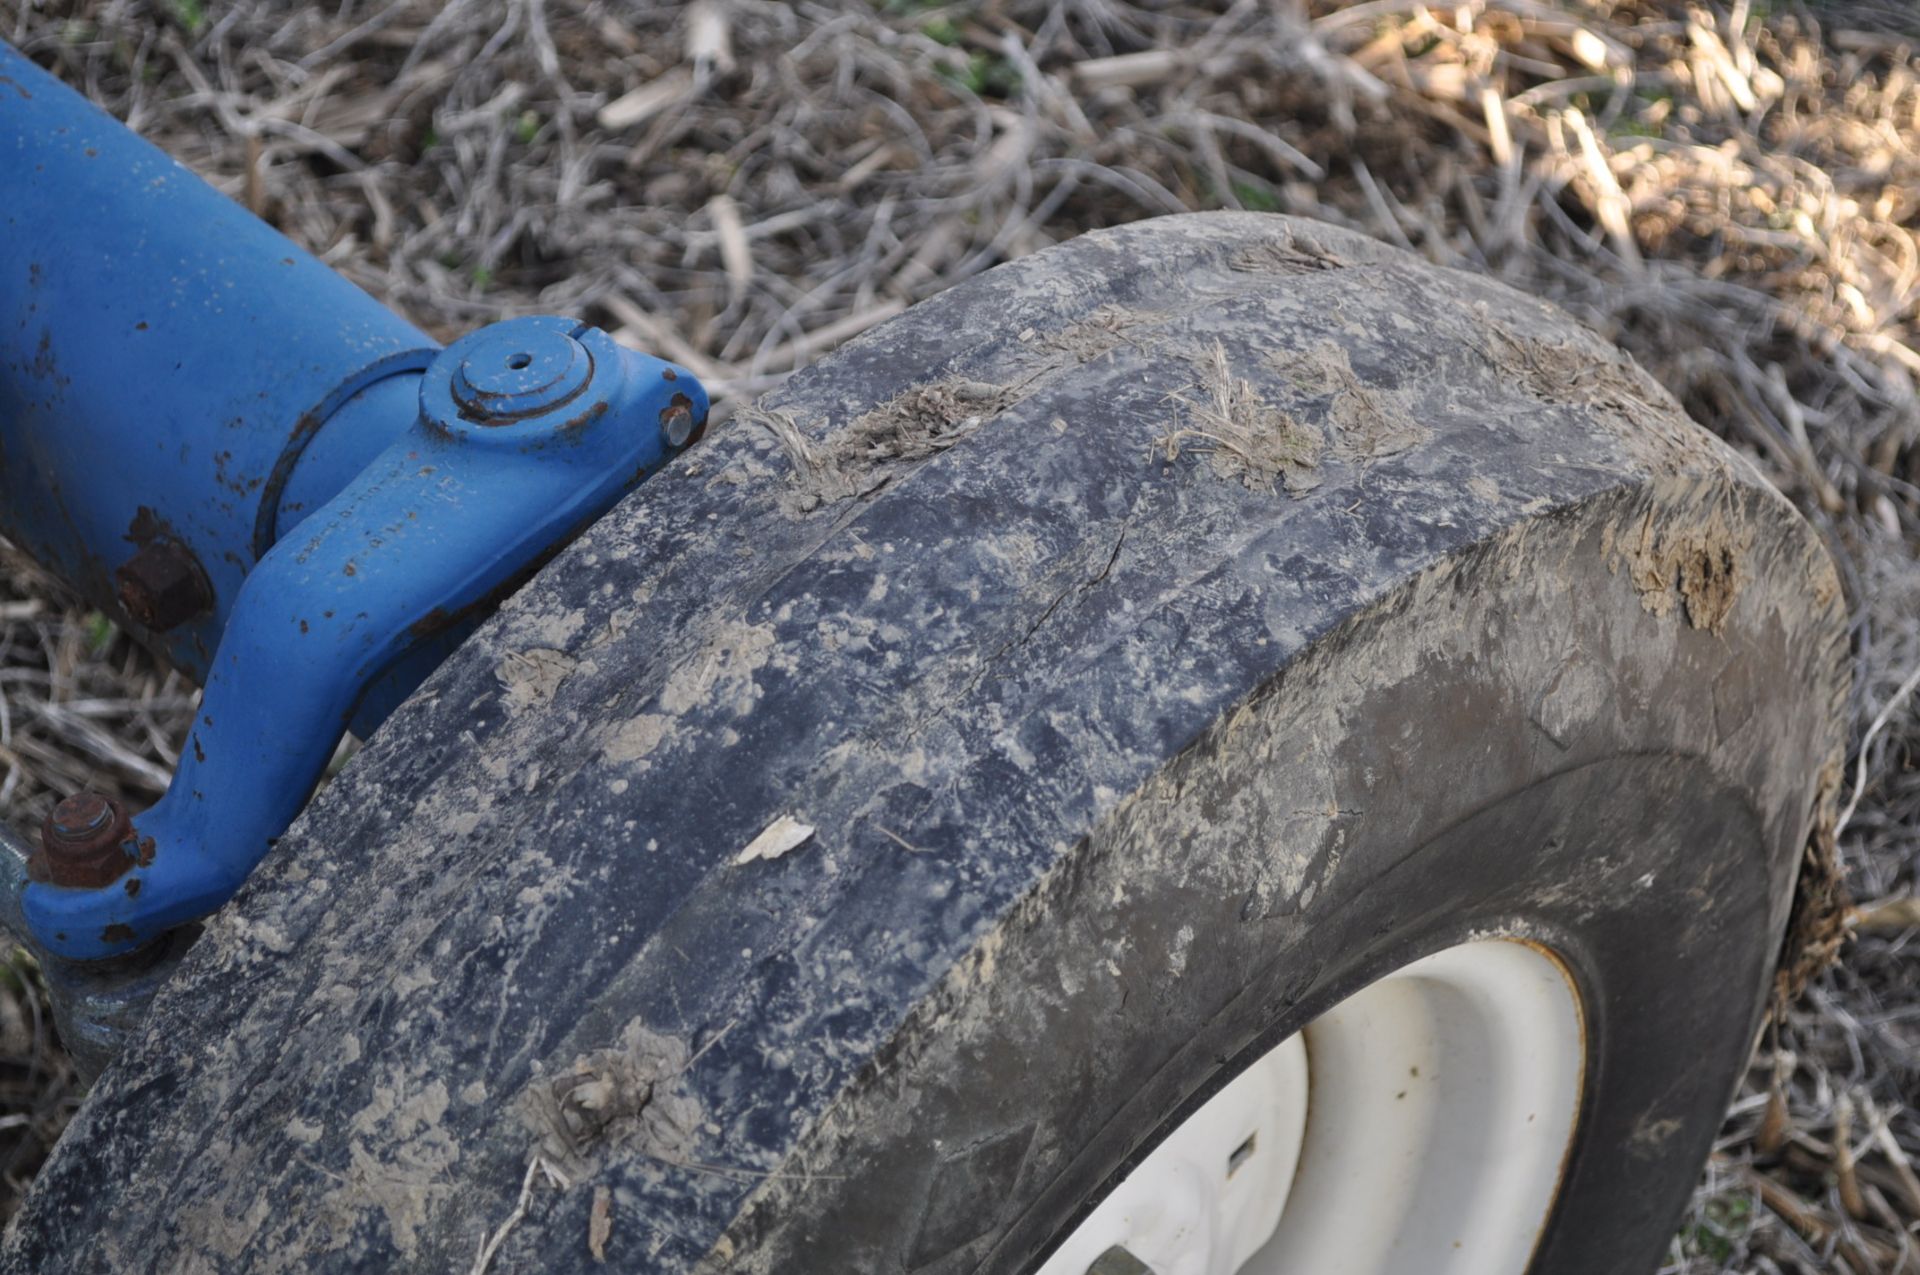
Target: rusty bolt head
162 586
677 423
82 843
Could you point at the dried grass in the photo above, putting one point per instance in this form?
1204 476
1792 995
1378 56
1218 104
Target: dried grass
1729 191
1247 437
80 705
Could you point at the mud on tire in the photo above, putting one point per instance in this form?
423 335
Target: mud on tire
1163 636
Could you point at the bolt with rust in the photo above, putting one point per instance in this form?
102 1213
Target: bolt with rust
677 423
162 586
82 843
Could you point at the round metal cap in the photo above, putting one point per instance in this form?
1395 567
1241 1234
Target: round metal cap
519 368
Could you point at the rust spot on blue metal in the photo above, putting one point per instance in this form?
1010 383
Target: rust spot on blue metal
220 461
43 365
147 527
571 429
435 621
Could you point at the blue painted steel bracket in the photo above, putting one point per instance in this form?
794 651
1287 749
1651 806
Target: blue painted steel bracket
301 498
527 431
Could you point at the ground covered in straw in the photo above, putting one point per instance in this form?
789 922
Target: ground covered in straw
1731 193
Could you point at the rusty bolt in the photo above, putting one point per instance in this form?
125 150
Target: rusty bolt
162 586
677 423
81 843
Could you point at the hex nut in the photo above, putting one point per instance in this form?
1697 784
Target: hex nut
162 586
82 843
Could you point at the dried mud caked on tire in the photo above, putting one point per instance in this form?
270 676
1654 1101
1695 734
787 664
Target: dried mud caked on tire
1164 636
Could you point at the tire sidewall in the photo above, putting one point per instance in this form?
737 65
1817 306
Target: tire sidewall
1511 745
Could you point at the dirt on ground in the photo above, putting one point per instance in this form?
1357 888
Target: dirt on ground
1729 191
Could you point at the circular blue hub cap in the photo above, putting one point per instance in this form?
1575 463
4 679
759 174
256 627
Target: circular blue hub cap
519 368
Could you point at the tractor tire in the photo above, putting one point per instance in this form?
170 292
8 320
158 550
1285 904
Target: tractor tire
862 849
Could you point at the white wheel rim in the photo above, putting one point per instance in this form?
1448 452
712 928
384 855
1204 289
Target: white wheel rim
1417 1128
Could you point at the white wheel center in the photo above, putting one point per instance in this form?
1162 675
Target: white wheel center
1417 1128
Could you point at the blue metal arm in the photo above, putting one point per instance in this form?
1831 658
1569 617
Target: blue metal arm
167 364
420 538
284 486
